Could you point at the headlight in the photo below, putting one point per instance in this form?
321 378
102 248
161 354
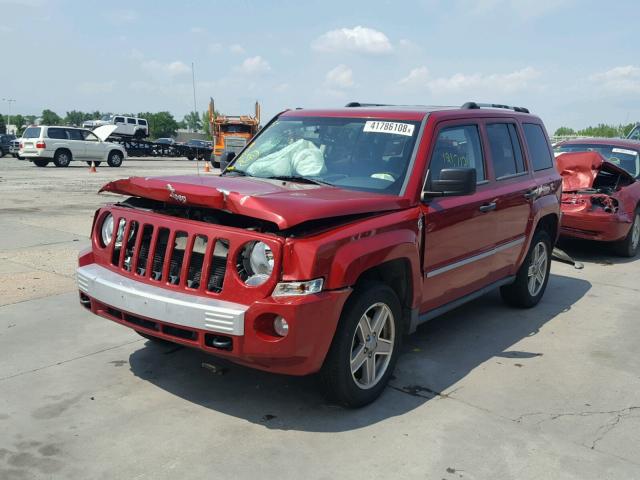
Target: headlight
106 232
255 264
294 289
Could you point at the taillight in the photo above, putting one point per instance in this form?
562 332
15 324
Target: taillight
41 145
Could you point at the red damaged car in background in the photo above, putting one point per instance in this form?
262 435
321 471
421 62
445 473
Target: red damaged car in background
601 191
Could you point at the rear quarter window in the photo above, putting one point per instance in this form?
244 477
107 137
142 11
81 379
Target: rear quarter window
539 149
142 122
31 132
57 133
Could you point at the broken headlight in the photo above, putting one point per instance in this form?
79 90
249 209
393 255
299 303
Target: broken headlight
255 263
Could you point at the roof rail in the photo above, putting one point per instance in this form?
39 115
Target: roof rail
359 104
474 105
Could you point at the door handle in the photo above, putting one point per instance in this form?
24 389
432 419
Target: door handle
487 207
531 194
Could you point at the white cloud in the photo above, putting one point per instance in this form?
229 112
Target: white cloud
358 39
135 54
92 88
624 79
417 76
475 82
237 49
171 68
339 77
254 66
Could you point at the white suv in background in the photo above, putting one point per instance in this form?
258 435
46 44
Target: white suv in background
61 145
126 126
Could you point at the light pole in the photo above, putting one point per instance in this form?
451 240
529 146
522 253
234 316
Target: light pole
8 100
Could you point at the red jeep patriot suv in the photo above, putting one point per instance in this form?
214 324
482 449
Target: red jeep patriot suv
332 234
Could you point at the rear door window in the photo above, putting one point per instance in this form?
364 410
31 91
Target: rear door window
457 147
57 133
539 150
506 153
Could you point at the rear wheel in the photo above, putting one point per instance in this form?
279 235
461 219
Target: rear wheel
533 275
365 347
115 159
62 158
38 162
97 164
628 247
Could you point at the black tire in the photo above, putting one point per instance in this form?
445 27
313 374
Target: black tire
339 383
159 341
41 162
190 157
519 294
62 158
628 247
215 164
97 164
115 158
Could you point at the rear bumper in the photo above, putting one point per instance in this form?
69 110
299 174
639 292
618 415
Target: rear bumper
597 225
202 323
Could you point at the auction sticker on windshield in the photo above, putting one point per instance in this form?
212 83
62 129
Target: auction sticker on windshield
389 127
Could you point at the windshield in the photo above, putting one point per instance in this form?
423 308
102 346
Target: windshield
106 118
352 153
236 128
625 158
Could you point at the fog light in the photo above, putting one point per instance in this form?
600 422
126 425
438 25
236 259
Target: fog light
281 326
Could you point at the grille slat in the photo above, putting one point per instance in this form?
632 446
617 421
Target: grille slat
169 255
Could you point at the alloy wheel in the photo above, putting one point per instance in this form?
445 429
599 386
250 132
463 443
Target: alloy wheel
537 272
372 345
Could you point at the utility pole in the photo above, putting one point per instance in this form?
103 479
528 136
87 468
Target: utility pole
8 100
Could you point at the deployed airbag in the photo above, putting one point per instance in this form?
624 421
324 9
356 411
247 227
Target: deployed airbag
301 158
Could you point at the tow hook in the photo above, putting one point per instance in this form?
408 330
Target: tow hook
562 256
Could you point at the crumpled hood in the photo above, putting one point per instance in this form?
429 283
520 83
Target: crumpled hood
579 169
284 203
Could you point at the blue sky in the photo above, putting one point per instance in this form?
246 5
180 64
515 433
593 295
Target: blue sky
572 62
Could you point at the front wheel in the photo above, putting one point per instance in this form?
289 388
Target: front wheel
115 159
628 247
365 347
533 275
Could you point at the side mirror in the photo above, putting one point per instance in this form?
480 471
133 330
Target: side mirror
452 182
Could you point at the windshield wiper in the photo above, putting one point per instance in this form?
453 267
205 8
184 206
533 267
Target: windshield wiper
240 173
299 179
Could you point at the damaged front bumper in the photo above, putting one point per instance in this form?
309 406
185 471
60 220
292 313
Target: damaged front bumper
241 333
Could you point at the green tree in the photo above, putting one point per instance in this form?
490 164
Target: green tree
564 131
3 126
206 126
161 124
50 117
75 118
19 121
193 121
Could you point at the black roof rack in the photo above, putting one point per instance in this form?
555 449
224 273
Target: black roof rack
474 105
359 104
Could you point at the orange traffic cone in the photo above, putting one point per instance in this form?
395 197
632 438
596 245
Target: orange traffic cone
207 169
93 167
